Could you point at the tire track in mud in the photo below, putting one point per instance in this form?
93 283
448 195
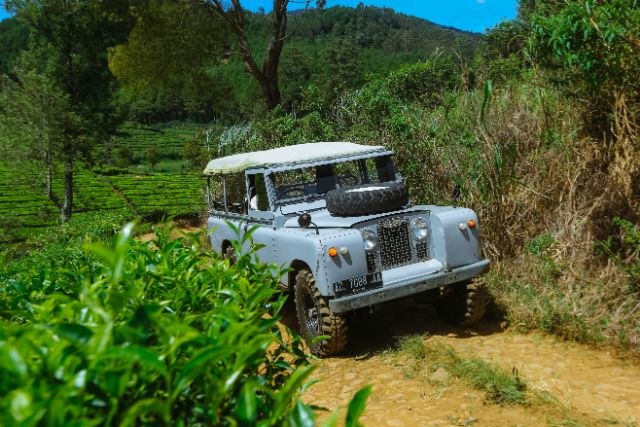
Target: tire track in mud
589 387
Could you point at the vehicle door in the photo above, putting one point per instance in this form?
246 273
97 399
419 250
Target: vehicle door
260 217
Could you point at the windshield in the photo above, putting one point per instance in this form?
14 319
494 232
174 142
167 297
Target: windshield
314 182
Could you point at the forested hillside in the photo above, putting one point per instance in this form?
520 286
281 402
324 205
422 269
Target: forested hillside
327 52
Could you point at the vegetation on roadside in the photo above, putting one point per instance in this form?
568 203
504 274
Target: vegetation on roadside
146 333
424 357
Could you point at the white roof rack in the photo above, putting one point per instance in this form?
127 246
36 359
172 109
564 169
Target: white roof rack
301 153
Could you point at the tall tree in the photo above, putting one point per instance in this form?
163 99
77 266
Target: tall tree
33 116
267 75
68 50
168 55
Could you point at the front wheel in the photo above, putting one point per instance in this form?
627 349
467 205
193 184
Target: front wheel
316 318
464 303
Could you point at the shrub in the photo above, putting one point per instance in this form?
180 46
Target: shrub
152 155
597 42
124 157
425 81
157 333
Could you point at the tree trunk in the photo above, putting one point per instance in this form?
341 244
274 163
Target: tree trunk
67 206
267 77
50 194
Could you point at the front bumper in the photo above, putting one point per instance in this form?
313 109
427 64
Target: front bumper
409 285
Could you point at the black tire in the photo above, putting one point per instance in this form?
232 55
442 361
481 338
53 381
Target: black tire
367 199
464 303
229 253
315 318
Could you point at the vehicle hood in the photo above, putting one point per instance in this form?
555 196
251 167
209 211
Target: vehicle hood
324 219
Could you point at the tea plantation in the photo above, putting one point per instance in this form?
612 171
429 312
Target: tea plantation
25 209
168 139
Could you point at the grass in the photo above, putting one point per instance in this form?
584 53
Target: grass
500 387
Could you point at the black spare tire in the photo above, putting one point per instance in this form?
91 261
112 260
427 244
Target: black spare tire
367 199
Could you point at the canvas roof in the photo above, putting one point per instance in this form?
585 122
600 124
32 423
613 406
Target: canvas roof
301 153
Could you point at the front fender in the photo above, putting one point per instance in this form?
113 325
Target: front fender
295 245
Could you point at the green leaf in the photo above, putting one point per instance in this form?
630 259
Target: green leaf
143 407
20 405
138 354
301 416
357 407
246 408
74 332
197 365
13 362
332 421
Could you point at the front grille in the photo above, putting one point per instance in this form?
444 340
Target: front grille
371 262
422 251
393 237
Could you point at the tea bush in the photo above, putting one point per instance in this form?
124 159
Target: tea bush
156 333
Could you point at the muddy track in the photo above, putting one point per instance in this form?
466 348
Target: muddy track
582 386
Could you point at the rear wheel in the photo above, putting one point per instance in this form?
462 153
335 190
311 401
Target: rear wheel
316 318
464 303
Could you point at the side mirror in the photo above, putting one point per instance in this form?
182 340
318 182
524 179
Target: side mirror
304 220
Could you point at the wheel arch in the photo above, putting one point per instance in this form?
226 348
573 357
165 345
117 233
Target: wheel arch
294 268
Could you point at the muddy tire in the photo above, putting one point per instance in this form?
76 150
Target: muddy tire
315 318
464 303
229 253
367 199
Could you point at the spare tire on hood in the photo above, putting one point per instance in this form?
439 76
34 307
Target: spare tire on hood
367 199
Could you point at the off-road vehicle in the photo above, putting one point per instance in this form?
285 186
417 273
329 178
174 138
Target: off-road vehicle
337 215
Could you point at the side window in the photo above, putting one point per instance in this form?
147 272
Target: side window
216 194
258 198
236 191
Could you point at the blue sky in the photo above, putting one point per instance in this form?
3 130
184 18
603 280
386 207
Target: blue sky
3 13
471 15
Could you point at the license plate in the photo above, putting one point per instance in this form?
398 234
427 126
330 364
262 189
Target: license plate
358 285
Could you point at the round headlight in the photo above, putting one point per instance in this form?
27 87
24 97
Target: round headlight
420 228
370 239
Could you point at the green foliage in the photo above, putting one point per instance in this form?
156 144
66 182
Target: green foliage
163 63
624 249
329 52
596 40
27 211
124 156
67 59
34 113
195 154
541 244
147 334
13 39
123 362
152 155
425 82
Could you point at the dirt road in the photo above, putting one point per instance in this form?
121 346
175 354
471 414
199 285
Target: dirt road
582 386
